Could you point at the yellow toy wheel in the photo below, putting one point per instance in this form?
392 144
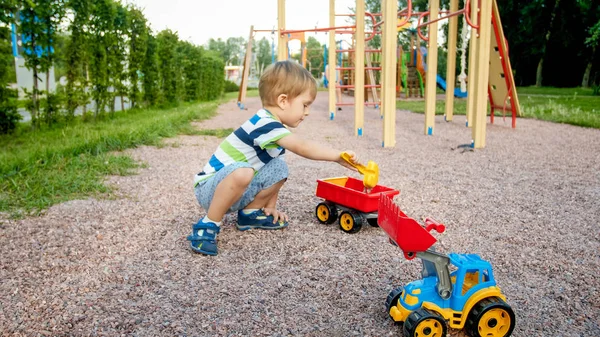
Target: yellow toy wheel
425 323
350 222
326 213
491 317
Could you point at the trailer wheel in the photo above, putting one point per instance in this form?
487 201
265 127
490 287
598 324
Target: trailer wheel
350 222
326 213
424 322
490 317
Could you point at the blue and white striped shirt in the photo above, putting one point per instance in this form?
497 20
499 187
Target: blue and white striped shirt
254 143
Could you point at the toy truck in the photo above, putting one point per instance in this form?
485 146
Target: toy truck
466 298
347 196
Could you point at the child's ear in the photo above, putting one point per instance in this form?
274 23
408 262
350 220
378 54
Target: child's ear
282 101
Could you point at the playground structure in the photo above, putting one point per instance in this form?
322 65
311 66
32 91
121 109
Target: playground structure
465 298
490 73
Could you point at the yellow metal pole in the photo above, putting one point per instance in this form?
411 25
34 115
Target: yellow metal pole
282 40
389 72
359 69
431 75
333 81
483 74
246 71
381 63
451 69
472 66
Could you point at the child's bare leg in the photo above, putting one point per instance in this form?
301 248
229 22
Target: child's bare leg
229 191
267 200
266 197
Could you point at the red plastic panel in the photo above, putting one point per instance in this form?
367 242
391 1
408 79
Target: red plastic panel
406 232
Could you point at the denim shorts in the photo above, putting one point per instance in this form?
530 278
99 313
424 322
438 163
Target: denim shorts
275 171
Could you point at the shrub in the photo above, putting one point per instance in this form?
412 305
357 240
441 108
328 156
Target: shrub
231 86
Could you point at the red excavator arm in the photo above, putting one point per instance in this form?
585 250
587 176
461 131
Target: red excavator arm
406 232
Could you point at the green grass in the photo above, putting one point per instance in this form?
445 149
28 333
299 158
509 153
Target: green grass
576 106
42 168
220 133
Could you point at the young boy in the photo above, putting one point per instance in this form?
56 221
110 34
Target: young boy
247 170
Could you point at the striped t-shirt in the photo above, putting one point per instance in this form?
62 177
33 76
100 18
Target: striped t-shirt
254 143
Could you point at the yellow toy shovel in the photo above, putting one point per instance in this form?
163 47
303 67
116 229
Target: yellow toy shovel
370 172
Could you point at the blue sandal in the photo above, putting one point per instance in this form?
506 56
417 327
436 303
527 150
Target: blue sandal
258 219
203 239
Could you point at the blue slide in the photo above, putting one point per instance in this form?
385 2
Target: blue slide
440 81
442 84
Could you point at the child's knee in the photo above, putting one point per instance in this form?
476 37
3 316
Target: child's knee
242 175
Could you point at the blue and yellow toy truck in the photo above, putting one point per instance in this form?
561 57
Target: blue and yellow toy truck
456 290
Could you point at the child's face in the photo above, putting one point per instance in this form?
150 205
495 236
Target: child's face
297 110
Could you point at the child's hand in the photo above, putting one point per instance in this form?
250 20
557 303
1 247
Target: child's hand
353 160
277 216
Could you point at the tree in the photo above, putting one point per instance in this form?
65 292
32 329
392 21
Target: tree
77 56
31 30
150 72
49 15
9 116
191 57
167 68
138 37
263 54
538 77
231 51
117 55
103 16
314 56
591 15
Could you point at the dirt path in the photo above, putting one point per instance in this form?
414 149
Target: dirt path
529 202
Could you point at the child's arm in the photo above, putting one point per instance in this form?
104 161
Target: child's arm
315 151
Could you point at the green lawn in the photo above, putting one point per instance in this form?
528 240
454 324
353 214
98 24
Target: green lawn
576 106
42 168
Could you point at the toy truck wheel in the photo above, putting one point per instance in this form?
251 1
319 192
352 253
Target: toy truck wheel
423 322
392 299
490 317
350 222
326 213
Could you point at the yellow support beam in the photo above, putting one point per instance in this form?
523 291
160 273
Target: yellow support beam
333 81
451 61
483 72
389 44
246 71
431 74
282 40
359 70
471 73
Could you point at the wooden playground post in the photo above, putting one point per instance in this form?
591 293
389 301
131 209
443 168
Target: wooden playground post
483 72
282 40
431 74
451 66
472 65
388 88
246 71
333 81
359 69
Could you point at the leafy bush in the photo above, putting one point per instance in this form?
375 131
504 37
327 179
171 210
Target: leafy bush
231 86
9 116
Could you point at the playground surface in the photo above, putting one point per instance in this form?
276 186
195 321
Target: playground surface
528 202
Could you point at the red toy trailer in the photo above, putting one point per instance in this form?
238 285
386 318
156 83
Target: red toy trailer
348 195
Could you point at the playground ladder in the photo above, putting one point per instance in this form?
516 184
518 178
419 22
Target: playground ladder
369 68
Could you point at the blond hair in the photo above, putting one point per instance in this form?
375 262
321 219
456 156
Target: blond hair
285 77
